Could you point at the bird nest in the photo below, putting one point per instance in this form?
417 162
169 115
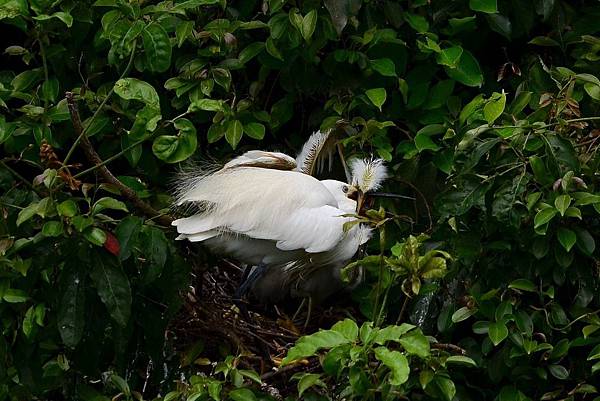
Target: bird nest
260 337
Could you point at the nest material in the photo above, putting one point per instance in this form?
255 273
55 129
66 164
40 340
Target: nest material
260 337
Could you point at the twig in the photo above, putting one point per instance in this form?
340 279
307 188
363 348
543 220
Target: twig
414 188
401 314
449 347
95 159
18 176
83 131
279 371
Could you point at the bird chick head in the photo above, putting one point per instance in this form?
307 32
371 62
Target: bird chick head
367 176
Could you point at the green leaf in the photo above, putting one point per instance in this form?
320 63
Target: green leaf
177 148
543 216
417 22
585 241
233 134
566 237
272 49
250 51
562 203
467 71
485 6
377 96
108 203
191 4
592 90
348 328
52 228
242 394
27 213
415 343
15 296
424 142
463 314
384 66
134 89
396 362
494 107
61 15
71 313
157 47
461 360
127 232
309 345
559 371
183 31
112 286
206 104
450 56
156 252
497 332
255 130
392 333
309 23
523 285
50 90
307 381
95 235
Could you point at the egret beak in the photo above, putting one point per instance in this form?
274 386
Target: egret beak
389 195
360 200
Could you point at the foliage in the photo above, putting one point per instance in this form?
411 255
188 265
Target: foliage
366 364
485 110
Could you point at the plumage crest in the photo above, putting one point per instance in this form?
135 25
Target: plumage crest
311 158
260 158
368 174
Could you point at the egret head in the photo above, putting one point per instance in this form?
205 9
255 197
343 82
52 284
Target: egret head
343 193
367 177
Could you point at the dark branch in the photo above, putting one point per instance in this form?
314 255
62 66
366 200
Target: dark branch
95 159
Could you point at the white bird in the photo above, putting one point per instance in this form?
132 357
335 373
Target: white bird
265 209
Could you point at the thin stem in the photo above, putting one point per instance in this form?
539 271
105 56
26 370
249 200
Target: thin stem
100 107
45 65
573 120
376 307
17 175
404 304
110 159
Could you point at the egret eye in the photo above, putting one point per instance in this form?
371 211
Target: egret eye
345 189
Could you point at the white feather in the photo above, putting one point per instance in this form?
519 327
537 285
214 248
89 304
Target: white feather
310 158
368 174
258 210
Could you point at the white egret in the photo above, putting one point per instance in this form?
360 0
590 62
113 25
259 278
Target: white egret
265 209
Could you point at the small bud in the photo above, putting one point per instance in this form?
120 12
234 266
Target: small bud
556 184
230 40
579 182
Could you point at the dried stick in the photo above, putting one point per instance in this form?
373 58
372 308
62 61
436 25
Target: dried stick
94 158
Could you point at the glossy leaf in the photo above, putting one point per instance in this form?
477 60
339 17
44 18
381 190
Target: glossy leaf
113 287
176 148
157 47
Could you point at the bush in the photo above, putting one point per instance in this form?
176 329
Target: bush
485 110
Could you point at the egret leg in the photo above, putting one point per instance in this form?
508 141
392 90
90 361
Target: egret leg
249 277
240 292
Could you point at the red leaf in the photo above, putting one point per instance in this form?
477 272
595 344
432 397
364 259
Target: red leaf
112 244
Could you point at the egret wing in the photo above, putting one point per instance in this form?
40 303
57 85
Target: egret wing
293 209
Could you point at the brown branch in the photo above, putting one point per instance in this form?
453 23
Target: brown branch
94 158
449 347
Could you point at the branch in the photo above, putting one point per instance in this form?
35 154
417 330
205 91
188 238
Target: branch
95 159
